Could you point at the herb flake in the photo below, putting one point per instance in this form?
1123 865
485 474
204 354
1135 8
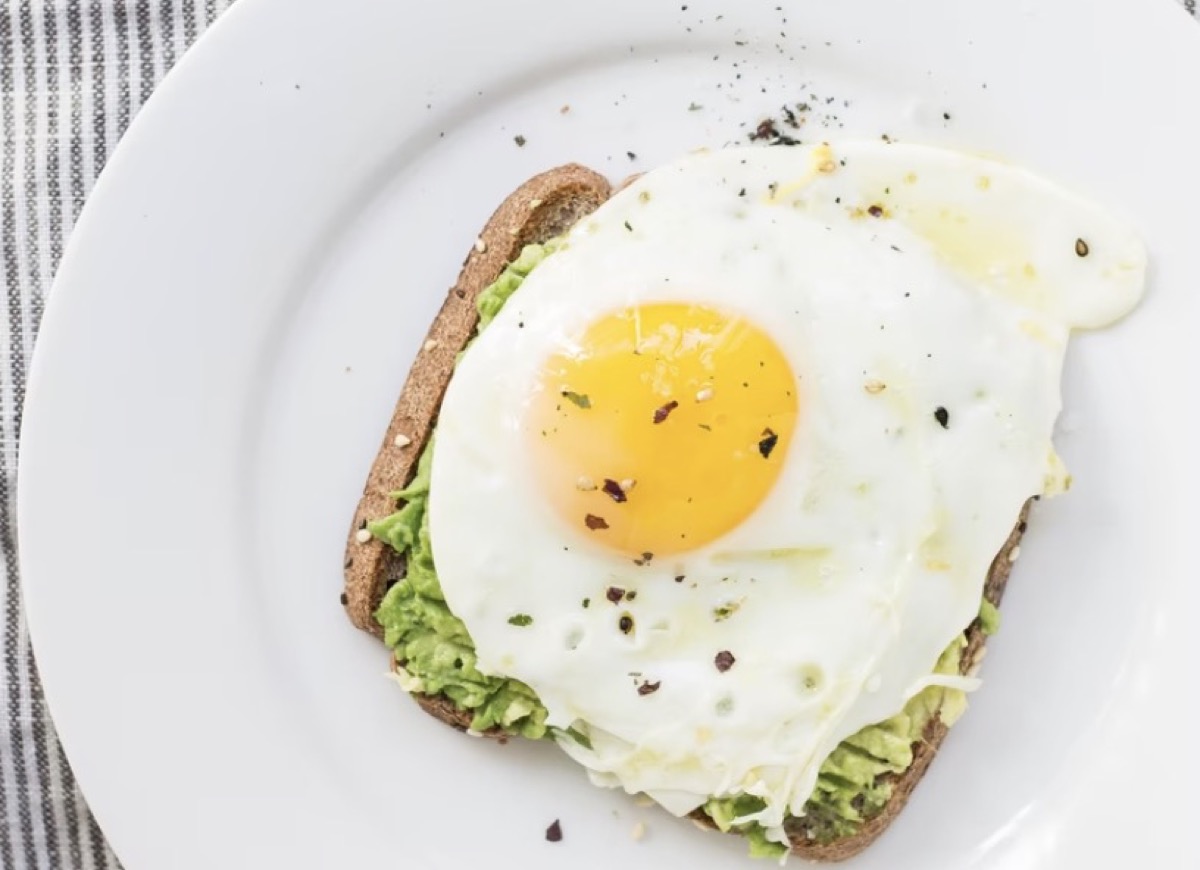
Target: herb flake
722 613
579 400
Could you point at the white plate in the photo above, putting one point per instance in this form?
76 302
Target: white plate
241 301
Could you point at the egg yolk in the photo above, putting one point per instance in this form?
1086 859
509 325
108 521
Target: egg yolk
662 427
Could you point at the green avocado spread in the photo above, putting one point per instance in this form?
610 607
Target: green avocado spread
436 656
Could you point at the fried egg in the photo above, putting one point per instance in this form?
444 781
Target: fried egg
725 477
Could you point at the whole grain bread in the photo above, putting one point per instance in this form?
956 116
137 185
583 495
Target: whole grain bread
544 207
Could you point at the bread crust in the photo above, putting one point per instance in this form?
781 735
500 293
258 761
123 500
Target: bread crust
544 207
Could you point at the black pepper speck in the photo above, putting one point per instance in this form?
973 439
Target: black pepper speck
767 443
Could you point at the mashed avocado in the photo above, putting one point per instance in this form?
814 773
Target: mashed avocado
438 658
989 618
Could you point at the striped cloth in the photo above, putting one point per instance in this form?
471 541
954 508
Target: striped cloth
72 75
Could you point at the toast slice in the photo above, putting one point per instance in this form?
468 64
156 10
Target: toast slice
543 208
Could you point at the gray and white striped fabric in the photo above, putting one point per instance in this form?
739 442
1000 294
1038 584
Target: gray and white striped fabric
73 73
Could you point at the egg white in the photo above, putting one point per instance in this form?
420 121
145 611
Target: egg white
951 280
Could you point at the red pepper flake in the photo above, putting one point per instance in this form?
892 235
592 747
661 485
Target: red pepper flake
875 211
554 832
594 522
648 688
767 443
765 130
613 489
615 594
724 660
664 412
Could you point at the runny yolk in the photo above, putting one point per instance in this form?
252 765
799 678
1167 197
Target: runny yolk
662 427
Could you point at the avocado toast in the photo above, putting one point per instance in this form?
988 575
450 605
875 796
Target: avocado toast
392 588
